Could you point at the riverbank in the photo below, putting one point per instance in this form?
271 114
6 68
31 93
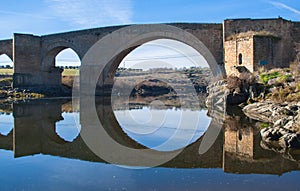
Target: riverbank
151 83
280 127
270 97
9 94
278 109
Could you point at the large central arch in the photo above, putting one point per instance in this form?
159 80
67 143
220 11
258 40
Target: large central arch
100 60
112 48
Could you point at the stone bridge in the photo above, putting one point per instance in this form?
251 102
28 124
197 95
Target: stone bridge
252 43
34 56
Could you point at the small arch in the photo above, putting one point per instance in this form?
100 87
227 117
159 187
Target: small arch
50 58
5 61
57 60
67 57
59 46
6 70
69 61
52 50
240 59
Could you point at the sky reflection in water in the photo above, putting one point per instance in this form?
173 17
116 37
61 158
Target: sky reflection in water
7 123
153 127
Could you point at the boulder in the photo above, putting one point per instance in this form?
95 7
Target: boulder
284 117
290 140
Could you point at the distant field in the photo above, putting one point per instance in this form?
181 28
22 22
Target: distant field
66 72
4 71
70 72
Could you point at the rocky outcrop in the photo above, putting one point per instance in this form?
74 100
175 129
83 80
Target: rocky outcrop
285 115
284 120
281 137
233 93
217 97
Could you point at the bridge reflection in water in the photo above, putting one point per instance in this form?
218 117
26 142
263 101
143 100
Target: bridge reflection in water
237 148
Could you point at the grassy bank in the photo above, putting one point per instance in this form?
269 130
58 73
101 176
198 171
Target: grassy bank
66 72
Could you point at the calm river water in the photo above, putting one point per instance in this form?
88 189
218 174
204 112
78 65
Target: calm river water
41 149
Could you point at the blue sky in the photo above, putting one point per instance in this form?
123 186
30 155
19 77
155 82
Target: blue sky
52 16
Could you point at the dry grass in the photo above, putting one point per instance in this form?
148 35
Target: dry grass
6 81
70 72
6 71
66 72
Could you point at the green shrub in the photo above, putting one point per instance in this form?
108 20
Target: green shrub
266 77
264 125
284 78
298 87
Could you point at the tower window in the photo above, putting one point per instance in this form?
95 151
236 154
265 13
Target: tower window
240 59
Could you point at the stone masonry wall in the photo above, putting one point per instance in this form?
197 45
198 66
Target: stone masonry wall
296 37
236 47
211 35
6 48
284 52
267 53
26 58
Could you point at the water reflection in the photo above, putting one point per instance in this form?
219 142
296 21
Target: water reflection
236 150
153 127
67 128
7 123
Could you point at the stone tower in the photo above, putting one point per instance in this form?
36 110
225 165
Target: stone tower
255 43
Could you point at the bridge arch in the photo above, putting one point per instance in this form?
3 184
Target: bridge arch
52 74
6 59
52 50
6 48
102 59
106 54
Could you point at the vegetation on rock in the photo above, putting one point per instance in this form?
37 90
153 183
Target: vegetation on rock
281 85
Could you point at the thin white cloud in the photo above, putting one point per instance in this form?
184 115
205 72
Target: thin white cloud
284 6
19 14
91 13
